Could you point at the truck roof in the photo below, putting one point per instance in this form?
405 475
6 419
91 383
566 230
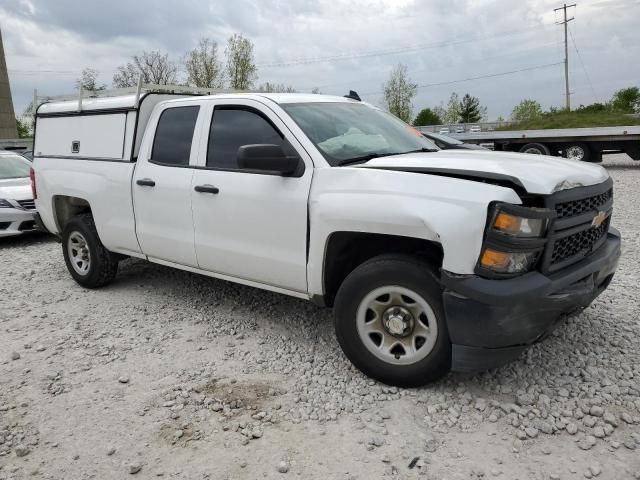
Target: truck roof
130 101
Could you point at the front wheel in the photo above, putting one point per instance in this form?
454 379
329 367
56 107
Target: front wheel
390 321
88 261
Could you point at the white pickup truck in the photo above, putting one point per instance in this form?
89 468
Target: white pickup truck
433 260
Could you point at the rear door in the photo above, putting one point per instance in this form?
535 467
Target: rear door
162 185
249 225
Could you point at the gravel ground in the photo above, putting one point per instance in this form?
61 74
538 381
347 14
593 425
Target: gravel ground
169 374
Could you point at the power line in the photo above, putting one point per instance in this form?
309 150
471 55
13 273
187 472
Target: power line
583 67
38 72
479 77
431 70
393 51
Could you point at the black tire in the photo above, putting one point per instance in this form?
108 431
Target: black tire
103 264
403 271
535 148
583 152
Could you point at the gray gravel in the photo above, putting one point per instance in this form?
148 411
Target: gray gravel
178 375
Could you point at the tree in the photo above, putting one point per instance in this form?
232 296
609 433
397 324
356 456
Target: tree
24 129
276 88
155 68
316 90
204 69
626 100
426 116
527 109
89 81
470 109
241 69
398 93
452 112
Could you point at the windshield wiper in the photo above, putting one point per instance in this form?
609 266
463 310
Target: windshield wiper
363 158
420 150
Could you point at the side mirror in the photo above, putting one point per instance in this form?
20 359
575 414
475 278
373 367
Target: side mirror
268 159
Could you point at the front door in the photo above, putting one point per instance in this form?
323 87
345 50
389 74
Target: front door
249 225
162 184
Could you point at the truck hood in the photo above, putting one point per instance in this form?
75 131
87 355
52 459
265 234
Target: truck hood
533 173
15 188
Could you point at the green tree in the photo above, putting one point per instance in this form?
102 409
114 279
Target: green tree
155 68
399 91
626 100
204 68
527 109
241 69
89 81
426 116
452 111
24 129
470 109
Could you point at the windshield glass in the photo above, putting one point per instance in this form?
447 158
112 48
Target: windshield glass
13 166
444 138
353 131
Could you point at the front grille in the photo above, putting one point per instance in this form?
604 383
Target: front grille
573 208
28 204
581 242
573 235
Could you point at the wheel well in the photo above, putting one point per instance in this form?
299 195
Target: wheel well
347 250
65 207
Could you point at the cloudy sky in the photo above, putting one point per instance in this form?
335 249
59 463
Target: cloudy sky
339 45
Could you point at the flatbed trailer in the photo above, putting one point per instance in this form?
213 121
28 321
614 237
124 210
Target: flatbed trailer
586 144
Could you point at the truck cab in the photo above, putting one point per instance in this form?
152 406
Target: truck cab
432 260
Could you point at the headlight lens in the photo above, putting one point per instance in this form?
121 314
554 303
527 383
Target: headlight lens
507 262
520 226
5 204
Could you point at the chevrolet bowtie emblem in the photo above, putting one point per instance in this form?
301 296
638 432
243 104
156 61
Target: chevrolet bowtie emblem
598 219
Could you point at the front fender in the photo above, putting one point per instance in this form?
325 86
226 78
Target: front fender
449 211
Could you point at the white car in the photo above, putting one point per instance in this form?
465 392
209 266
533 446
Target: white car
17 207
460 129
444 131
475 129
432 259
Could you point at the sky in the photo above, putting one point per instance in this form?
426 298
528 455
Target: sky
341 45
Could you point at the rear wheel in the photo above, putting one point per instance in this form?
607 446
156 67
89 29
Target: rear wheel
536 149
390 321
88 261
578 151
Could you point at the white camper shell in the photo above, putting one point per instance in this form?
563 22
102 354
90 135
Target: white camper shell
106 126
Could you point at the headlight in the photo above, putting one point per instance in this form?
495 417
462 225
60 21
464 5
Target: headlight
5 204
507 262
514 240
520 226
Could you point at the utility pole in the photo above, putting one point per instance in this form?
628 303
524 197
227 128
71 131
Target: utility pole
566 52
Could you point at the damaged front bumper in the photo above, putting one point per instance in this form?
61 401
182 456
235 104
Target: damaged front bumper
491 322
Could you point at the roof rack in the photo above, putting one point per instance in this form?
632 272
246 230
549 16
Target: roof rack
138 90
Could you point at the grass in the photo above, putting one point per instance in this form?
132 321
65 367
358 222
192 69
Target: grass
575 120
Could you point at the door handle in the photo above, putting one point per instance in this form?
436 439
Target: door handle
146 182
206 189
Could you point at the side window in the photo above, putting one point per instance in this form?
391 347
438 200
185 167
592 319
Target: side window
231 128
174 134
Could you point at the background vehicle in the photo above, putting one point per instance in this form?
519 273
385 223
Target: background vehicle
475 129
16 200
460 129
445 142
444 130
586 144
432 259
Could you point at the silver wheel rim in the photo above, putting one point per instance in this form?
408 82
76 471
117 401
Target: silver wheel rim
396 325
79 255
575 153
